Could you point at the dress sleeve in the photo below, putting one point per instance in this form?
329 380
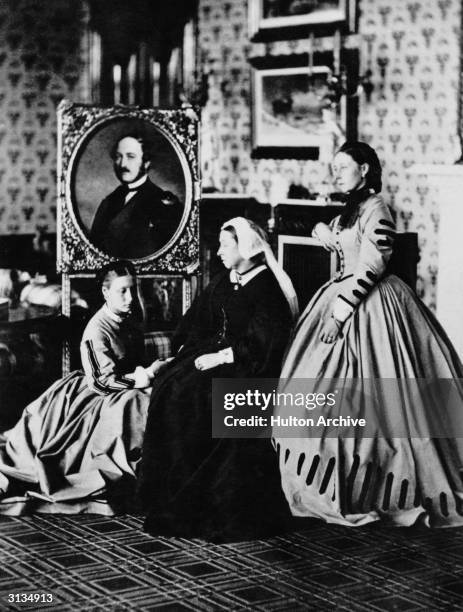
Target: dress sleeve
189 327
101 367
194 325
377 232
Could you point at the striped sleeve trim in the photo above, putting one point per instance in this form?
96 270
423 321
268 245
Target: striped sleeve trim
385 232
387 223
118 383
385 235
341 297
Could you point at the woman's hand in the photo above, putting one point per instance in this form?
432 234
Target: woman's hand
140 377
324 235
157 365
331 330
208 361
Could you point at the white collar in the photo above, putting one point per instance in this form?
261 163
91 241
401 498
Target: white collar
138 183
238 278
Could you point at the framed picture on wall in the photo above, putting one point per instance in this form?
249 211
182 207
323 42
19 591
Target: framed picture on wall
287 19
128 188
293 115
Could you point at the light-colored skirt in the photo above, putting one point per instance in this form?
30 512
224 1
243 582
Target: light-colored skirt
73 450
356 480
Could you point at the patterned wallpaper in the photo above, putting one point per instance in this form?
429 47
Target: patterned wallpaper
226 142
412 50
41 62
411 47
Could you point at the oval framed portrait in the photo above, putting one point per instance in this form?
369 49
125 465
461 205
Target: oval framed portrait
129 188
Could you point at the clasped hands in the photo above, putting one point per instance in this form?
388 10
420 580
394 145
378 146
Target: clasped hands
143 377
157 365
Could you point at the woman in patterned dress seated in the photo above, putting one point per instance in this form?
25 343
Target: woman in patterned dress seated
80 441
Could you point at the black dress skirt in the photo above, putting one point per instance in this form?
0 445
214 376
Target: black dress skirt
192 485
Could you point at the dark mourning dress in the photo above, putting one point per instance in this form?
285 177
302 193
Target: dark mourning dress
191 484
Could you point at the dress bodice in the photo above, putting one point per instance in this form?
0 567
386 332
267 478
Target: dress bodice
111 347
363 251
348 242
254 320
375 227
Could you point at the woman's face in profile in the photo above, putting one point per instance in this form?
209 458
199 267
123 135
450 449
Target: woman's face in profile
228 251
119 296
348 174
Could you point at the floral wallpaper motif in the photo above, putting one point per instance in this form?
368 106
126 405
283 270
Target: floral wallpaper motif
226 142
41 62
412 49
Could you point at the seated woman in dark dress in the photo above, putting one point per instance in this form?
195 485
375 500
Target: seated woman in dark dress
193 485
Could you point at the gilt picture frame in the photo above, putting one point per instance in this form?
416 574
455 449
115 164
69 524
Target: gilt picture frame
88 182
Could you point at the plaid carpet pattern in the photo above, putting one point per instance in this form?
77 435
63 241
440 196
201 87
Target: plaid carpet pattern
90 562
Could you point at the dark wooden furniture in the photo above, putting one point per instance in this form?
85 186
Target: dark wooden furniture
30 357
30 342
300 219
308 264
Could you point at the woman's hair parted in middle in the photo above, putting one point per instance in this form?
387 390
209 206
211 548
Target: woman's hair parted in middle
113 270
118 268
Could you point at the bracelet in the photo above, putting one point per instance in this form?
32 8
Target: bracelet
339 323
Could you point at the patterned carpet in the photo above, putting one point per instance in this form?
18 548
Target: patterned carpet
91 562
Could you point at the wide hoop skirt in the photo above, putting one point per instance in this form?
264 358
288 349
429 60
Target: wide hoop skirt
73 450
356 480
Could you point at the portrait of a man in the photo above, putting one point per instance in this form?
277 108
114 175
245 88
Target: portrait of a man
130 189
138 217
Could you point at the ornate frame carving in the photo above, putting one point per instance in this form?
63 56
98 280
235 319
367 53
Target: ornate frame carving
77 124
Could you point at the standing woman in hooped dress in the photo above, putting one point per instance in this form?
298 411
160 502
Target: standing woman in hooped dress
366 324
80 442
193 485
